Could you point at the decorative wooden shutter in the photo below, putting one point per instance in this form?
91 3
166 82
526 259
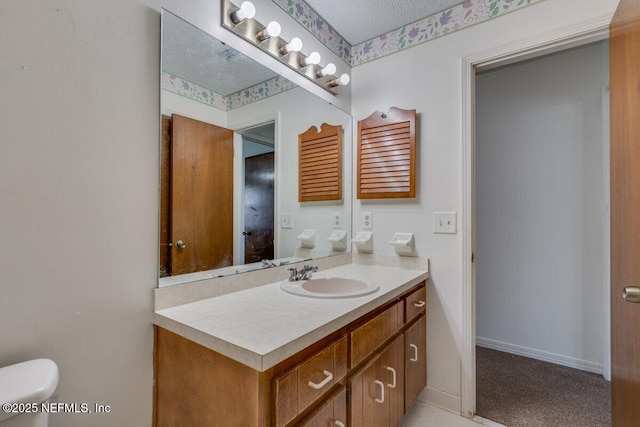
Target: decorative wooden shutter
387 155
320 164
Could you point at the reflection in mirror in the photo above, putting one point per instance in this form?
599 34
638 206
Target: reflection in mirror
229 162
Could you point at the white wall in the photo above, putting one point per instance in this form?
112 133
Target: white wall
539 207
428 78
79 113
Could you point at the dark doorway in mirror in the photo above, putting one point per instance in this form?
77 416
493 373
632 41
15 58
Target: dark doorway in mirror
258 145
258 207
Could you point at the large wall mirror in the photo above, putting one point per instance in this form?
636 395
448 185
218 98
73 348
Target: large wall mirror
229 162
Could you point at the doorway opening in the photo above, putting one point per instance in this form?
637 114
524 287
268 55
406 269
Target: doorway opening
529 52
540 221
258 193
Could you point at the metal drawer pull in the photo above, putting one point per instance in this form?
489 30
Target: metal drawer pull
631 294
415 352
327 380
381 400
393 373
338 423
419 304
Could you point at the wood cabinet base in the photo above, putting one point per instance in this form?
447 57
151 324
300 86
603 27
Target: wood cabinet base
384 370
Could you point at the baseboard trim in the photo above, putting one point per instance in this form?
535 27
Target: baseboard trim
442 400
545 356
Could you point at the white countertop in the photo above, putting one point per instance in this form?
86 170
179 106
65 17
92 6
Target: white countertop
263 326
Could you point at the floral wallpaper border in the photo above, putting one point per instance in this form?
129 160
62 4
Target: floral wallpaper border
260 91
180 86
455 18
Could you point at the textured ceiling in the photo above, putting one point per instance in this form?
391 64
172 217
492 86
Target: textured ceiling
360 20
192 54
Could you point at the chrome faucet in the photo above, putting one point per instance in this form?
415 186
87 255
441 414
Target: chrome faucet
304 274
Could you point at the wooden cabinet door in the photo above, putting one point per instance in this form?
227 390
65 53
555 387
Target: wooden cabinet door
332 414
415 348
391 372
377 391
367 407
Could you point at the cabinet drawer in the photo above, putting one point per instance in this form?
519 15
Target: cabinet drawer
416 304
298 388
371 335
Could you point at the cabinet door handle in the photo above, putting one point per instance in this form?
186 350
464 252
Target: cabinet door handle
393 377
419 304
381 400
415 352
338 423
324 382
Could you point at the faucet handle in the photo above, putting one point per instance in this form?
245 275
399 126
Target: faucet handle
294 274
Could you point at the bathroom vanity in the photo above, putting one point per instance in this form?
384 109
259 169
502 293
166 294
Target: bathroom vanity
265 357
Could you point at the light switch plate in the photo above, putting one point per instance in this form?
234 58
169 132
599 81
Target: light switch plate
444 222
367 221
286 220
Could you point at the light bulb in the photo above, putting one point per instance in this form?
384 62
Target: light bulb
312 59
247 11
329 70
272 30
293 46
343 80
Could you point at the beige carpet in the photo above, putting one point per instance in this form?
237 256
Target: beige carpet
521 392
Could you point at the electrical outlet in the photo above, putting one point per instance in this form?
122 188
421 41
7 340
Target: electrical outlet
444 222
337 220
367 221
286 220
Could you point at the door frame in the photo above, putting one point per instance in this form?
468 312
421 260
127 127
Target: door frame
587 32
238 178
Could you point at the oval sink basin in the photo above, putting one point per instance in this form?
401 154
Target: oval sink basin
333 287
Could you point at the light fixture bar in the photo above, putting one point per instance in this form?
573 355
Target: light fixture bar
241 21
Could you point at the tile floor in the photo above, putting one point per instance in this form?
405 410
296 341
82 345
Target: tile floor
425 415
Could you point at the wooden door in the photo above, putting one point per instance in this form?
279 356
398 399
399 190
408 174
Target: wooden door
258 207
624 64
201 196
415 344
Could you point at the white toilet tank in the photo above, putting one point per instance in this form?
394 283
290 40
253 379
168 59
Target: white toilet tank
29 383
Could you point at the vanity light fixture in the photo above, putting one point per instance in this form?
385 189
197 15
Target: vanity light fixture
241 21
329 70
247 11
343 80
295 45
272 29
